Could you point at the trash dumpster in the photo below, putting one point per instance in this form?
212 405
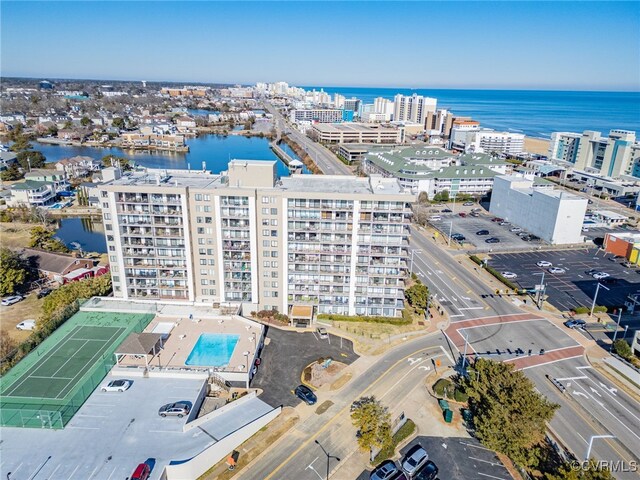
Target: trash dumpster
448 415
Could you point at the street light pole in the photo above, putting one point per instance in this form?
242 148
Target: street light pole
593 304
617 327
450 232
329 457
246 356
593 437
464 355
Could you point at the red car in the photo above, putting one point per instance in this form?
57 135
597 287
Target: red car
462 214
141 472
497 220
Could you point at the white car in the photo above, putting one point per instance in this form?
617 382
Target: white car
11 300
26 325
515 229
600 275
556 270
116 386
544 263
509 275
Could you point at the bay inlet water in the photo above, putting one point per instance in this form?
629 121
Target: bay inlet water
536 113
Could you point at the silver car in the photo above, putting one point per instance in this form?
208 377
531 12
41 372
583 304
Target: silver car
414 460
178 409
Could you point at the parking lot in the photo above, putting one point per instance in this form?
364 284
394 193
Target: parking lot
469 226
278 378
115 431
458 458
575 287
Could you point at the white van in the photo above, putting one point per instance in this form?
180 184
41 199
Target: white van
435 218
26 325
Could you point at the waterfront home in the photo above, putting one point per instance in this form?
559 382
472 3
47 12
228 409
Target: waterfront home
78 166
7 159
138 140
63 268
58 179
32 193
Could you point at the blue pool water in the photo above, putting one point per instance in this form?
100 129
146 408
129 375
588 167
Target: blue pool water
213 350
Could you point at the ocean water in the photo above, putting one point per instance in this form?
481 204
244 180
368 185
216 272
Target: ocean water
214 150
537 113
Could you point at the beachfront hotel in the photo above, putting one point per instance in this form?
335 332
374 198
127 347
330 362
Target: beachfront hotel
338 243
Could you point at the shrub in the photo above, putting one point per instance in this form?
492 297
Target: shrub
460 396
600 309
404 432
476 259
580 310
358 318
622 348
442 387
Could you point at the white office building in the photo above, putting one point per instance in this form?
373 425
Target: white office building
488 141
553 215
319 115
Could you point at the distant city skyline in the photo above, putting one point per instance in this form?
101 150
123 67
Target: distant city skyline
456 45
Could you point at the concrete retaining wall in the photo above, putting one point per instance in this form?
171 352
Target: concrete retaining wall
199 464
219 411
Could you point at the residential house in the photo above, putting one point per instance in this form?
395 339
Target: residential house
32 193
7 159
78 166
58 179
63 268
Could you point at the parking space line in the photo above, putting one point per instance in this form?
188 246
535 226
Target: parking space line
490 476
73 473
485 461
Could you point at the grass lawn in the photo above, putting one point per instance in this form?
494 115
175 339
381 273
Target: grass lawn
29 308
15 235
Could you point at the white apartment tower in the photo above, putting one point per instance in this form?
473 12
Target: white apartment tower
413 108
338 243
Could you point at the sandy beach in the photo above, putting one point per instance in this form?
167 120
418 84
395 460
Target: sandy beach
536 145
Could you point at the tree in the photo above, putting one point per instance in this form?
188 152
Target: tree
44 240
442 196
118 122
110 160
622 348
85 121
52 130
589 471
423 197
20 143
11 173
13 271
509 415
373 422
7 344
31 159
417 295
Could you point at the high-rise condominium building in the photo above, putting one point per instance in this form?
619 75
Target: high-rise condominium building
613 156
338 243
564 146
413 108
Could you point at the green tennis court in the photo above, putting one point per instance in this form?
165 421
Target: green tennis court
50 384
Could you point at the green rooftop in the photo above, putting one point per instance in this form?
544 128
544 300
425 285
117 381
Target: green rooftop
30 185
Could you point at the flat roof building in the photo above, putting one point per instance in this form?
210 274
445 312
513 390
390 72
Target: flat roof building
356 133
316 115
337 243
553 215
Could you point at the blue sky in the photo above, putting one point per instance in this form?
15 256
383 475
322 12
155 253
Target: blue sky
529 45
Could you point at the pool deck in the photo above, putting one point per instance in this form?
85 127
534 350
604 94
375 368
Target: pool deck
186 332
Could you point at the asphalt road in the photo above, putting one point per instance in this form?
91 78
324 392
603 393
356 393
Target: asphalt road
391 379
327 161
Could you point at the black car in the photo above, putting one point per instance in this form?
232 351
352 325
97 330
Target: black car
458 237
492 240
429 472
446 210
482 232
305 394
44 292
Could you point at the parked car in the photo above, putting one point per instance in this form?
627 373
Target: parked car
26 325
482 232
556 270
544 264
591 271
458 237
435 218
462 214
429 472
492 240
322 332
447 210
305 394
575 323
44 292
117 386
141 472
474 214
387 470
609 281
177 409
525 238
600 275
627 264
509 275
11 300
502 224
615 258
468 204
414 460
515 229
476 210
497 219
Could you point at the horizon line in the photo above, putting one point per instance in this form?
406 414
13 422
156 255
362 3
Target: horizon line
489 88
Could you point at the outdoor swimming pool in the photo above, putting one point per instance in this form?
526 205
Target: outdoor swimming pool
213 350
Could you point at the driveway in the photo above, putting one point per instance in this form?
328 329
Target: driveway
287 354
